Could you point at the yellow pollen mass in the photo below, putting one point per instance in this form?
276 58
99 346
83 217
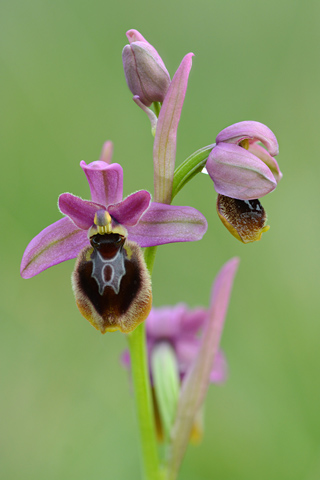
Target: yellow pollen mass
102 220
245 143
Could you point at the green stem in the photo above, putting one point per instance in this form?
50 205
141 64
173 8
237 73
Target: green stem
140 376
189 168
149 256
157 108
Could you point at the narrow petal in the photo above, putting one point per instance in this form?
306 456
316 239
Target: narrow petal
197 379
107 152
254 131
151 115
105 181
130 210
237 173
168 224
270 161
59 242
81 212
164 150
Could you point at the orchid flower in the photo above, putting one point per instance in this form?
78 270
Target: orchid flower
179 327
240 167
175 341
243 171
135 219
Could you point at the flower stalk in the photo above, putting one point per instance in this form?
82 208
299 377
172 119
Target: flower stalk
192 165
142 391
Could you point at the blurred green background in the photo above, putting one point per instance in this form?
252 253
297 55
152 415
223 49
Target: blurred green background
67 410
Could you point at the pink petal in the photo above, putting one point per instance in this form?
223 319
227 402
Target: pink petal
255 131
81 212
237 173
168 224
58 242
105 181
135 36
164 323
193 320
186 350
270 161
130 210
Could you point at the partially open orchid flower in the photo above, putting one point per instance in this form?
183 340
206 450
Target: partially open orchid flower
243 171
173 342
107 232
145 72
240 167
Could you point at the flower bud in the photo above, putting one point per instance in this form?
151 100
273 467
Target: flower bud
241 168
245 219
145 72
111 282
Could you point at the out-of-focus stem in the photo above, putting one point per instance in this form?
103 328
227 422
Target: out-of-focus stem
140 376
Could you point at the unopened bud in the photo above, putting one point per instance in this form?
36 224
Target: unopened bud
145 72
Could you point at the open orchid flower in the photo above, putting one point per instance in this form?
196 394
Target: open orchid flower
179 327
108 228
243 171
176 344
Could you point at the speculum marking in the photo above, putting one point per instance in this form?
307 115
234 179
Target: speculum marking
115 266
